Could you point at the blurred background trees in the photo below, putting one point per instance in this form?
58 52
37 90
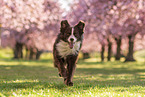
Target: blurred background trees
29 24
112 26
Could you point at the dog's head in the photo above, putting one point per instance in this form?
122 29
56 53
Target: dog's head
71 34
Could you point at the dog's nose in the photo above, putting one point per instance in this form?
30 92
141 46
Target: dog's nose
71 39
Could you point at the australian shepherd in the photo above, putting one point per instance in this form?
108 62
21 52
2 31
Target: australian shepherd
66 49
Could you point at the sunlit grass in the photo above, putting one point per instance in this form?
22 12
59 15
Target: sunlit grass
92 78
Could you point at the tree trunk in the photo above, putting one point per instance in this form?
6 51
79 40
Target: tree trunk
86 55
102 52
118 53
33 53
18 51
27 53
130 50
38 55
109 50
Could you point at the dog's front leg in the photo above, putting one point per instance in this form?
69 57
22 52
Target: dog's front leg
61 67
71 65
60 64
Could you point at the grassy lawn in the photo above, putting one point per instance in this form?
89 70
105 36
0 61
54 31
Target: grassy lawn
92 78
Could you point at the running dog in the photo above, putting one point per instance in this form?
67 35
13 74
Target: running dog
66 49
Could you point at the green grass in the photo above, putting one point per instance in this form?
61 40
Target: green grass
92 78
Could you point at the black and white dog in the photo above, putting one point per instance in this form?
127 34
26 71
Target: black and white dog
66 49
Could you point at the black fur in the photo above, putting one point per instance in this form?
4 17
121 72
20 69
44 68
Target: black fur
67 71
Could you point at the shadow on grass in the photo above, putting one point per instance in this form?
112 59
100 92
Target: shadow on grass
108 72
40 77
22 60
81 62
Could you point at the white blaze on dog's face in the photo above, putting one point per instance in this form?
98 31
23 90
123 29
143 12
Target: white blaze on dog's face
72 39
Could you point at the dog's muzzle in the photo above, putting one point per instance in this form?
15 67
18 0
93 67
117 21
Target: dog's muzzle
71 43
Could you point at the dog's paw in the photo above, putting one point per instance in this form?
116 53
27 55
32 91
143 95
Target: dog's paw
70 84
64 80
62 75
59 74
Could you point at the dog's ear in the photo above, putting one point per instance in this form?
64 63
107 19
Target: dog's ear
81 25
64 24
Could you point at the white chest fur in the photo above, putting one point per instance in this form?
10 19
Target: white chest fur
64 49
